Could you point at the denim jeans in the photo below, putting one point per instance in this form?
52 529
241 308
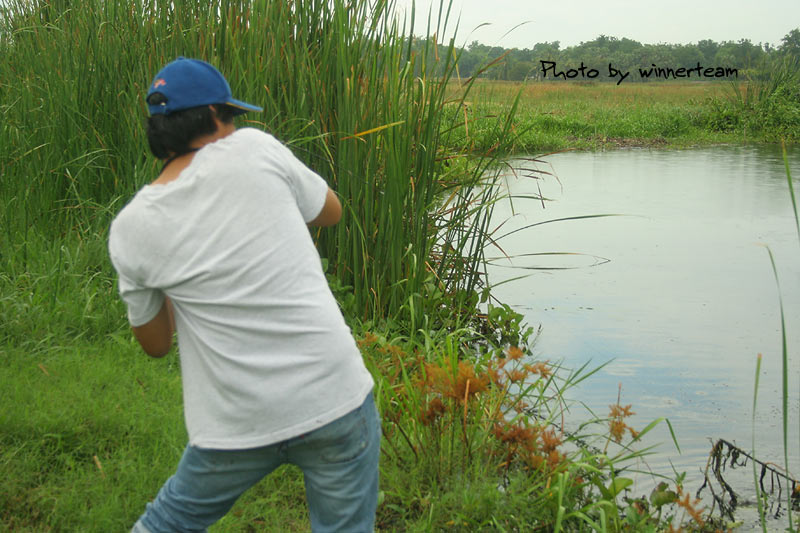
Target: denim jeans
340 470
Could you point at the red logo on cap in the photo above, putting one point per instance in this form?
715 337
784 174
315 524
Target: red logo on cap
158 83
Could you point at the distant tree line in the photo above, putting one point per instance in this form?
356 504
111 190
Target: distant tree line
752 61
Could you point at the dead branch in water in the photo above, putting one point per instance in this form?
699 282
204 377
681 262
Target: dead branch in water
723 455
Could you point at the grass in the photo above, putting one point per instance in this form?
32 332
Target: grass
569 115
91 460
104 446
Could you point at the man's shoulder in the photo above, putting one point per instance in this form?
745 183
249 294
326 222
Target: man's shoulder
254 137
249 133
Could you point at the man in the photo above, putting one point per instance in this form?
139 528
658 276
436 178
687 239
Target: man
218 248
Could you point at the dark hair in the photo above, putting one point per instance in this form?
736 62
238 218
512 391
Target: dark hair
172 134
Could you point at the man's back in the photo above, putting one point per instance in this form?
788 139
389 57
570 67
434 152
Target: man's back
265 352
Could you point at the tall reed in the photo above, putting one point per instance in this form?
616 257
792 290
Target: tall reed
790 496
339 82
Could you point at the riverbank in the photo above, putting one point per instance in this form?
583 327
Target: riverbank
91 427
552 116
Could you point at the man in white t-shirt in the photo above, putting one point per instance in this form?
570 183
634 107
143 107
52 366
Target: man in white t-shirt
218 248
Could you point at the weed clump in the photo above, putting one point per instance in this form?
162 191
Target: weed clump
475 438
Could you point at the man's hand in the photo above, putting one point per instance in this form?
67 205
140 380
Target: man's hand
156 336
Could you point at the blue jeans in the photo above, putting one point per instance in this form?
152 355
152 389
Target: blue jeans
340 470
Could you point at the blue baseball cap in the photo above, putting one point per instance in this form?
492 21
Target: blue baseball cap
187 83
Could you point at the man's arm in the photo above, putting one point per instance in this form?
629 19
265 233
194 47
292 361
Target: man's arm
331 212
156 336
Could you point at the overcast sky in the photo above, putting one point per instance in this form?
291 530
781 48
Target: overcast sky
646 21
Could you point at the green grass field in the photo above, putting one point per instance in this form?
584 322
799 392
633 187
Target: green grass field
91 430
578 115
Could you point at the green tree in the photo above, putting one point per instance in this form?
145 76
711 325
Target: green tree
709 50
521 70
790 44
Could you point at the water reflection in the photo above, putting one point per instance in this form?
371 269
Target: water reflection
688 298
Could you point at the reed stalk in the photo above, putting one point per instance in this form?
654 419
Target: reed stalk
784 385
759 501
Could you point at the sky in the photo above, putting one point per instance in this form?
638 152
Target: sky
523 23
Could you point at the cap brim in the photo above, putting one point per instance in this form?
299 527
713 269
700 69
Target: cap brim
243 107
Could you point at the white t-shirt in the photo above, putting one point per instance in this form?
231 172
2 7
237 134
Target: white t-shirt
265 352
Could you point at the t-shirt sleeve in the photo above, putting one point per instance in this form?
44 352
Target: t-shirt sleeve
309 188
143 303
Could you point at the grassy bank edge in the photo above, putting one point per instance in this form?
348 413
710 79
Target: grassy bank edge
598 116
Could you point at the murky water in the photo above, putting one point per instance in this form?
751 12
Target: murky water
686 300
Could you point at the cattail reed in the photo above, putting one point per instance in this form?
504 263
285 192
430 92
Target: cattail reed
350 91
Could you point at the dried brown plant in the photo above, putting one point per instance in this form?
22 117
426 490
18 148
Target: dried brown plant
464 385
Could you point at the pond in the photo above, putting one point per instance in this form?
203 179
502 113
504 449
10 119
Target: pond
677 292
